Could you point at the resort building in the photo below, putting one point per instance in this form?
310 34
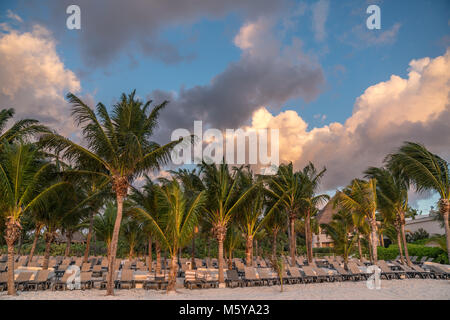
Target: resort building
427 222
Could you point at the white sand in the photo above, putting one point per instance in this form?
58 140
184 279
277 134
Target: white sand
409 289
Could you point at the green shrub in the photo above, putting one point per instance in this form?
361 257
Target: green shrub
413 249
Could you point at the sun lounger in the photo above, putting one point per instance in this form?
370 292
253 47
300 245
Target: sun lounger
310 275
61 283
86 267
40 281
410 272
3 267
439 271
388 273
126 279
86 280
250 277
157 281
233 279
3 281
356 272
422 272
296 275
323 276
22 280
343 274
267 277
191 280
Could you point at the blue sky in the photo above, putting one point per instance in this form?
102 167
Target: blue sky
351 57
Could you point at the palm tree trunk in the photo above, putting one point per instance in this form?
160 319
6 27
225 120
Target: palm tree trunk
12 232
373 225
308 236
445 211
172 274
158 257
193 252
382 240
359 247
220 259
33 247
405 245
113 246
249 250
150 254
292 240
49 236
274 244
68 244
88 238
399 242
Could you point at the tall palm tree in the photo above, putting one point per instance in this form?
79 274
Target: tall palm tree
180 215
342 231
223 198
24 128
287 185
392 202
118 149
426 171
25 184
310 182
232 240
361 199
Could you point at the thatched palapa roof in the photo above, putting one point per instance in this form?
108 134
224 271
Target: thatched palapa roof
326 214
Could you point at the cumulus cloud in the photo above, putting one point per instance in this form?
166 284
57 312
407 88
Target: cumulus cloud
267 74
415 108
111 27
33 79
319 18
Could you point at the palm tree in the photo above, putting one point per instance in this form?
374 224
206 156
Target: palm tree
104 224
392 202
274 225
180 215
223 198
21 129
25 186
361 199
118 149
342 231
426 171
132 234
250 218
287 186
310 181
232 240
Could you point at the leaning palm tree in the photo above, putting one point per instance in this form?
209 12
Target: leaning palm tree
118 148
426 171
25 185
361 199
342 231
392 202
223 199
180 215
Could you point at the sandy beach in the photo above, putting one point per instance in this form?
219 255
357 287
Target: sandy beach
410 289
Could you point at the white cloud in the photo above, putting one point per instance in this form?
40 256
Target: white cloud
416 108
34 80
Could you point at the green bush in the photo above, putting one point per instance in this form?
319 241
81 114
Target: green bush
414 250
